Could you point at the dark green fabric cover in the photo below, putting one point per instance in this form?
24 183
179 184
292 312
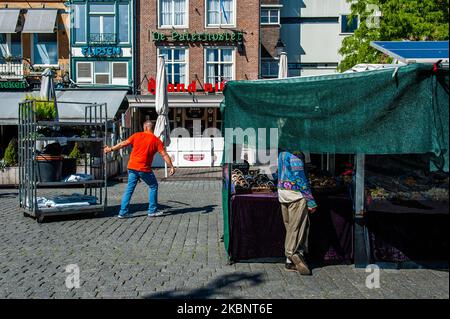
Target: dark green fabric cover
375 112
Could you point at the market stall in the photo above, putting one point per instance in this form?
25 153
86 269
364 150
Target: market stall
406 209
256 225
381 112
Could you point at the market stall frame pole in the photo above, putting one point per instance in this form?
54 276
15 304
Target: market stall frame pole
361 237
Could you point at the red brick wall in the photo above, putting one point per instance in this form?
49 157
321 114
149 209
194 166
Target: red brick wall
247 20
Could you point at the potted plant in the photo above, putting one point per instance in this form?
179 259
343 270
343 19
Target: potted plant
45 110
49 163
8 165
70 164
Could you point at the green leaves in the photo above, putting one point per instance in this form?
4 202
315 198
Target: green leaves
412 20
75 153
45 110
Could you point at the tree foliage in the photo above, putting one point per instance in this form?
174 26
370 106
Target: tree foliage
412 20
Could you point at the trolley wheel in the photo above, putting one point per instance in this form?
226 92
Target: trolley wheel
40 218
25 214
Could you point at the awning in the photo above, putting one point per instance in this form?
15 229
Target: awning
9 107
178 100
71 104
40 21
8 20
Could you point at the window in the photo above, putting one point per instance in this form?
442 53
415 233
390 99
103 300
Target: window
102 23
79 23
270 16
45 49
220 12
120 73
84 72
123 23
102 8
173 13
102 72
10 46
219 65
269 68
348 26
176 64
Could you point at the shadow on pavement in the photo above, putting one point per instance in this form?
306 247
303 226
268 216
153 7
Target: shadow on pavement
139 210
9 195
213 288
204 210
136 210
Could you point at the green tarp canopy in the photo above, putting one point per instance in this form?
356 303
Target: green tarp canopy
374 112
387 111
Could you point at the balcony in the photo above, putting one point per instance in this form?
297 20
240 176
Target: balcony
11 69
102 38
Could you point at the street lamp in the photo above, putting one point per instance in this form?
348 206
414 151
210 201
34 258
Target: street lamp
279 47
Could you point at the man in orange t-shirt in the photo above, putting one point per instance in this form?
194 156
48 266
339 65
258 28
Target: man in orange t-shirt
145 145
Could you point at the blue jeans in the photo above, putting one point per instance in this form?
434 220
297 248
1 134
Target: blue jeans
150 180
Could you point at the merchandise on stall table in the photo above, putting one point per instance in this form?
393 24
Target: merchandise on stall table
434 194
322 181
252 182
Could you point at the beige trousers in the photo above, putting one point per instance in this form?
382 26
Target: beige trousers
296 221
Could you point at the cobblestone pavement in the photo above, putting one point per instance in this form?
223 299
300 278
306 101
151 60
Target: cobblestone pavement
178 255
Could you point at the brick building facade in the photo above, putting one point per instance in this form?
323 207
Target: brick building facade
245 19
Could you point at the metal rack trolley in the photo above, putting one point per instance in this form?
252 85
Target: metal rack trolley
96 123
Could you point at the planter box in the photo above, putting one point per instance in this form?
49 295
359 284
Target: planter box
9 176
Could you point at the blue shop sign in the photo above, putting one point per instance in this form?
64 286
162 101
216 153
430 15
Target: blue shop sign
101 51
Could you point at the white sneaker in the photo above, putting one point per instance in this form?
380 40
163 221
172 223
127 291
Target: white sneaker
156 214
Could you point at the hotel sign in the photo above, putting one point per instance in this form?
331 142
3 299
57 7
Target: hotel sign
101 51
198 37
13 85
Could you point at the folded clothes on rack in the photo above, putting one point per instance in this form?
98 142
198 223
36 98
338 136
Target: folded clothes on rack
78 178
62 201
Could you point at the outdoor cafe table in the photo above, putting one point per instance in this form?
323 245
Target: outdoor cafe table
257 229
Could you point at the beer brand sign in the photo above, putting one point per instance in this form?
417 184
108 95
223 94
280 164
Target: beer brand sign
13 85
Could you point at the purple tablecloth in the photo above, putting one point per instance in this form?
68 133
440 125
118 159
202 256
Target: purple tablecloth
408 231
257 229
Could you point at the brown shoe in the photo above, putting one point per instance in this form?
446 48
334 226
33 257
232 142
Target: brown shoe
301 264
290 267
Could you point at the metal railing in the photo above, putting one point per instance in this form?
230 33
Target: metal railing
11 69
102 38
